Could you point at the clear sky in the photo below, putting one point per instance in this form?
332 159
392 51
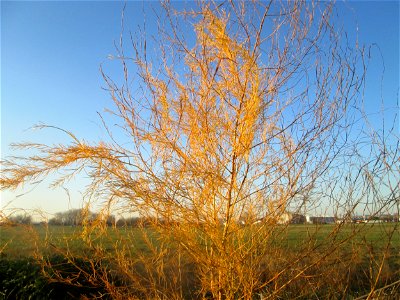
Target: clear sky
51 53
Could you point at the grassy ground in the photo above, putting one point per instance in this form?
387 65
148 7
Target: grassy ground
377 234
355 259
23 241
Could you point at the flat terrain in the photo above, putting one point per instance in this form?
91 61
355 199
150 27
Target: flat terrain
23 241
354 255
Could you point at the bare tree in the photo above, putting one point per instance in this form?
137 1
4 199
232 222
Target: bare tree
24 219
228 129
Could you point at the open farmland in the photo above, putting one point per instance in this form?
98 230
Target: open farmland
24 241
66 252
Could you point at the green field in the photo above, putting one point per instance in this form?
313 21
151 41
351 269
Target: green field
359 250
23 241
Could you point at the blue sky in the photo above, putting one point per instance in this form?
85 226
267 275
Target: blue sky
50 58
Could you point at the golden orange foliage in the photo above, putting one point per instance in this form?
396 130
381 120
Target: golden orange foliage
226 136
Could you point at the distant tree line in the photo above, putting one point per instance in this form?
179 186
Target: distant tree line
76 217
24 219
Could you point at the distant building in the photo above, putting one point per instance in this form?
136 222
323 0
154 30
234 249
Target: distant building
298 219
308 219
322 220
375 218
285 218
291 218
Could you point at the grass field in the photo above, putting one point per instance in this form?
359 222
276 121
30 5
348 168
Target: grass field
358 250
23 241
